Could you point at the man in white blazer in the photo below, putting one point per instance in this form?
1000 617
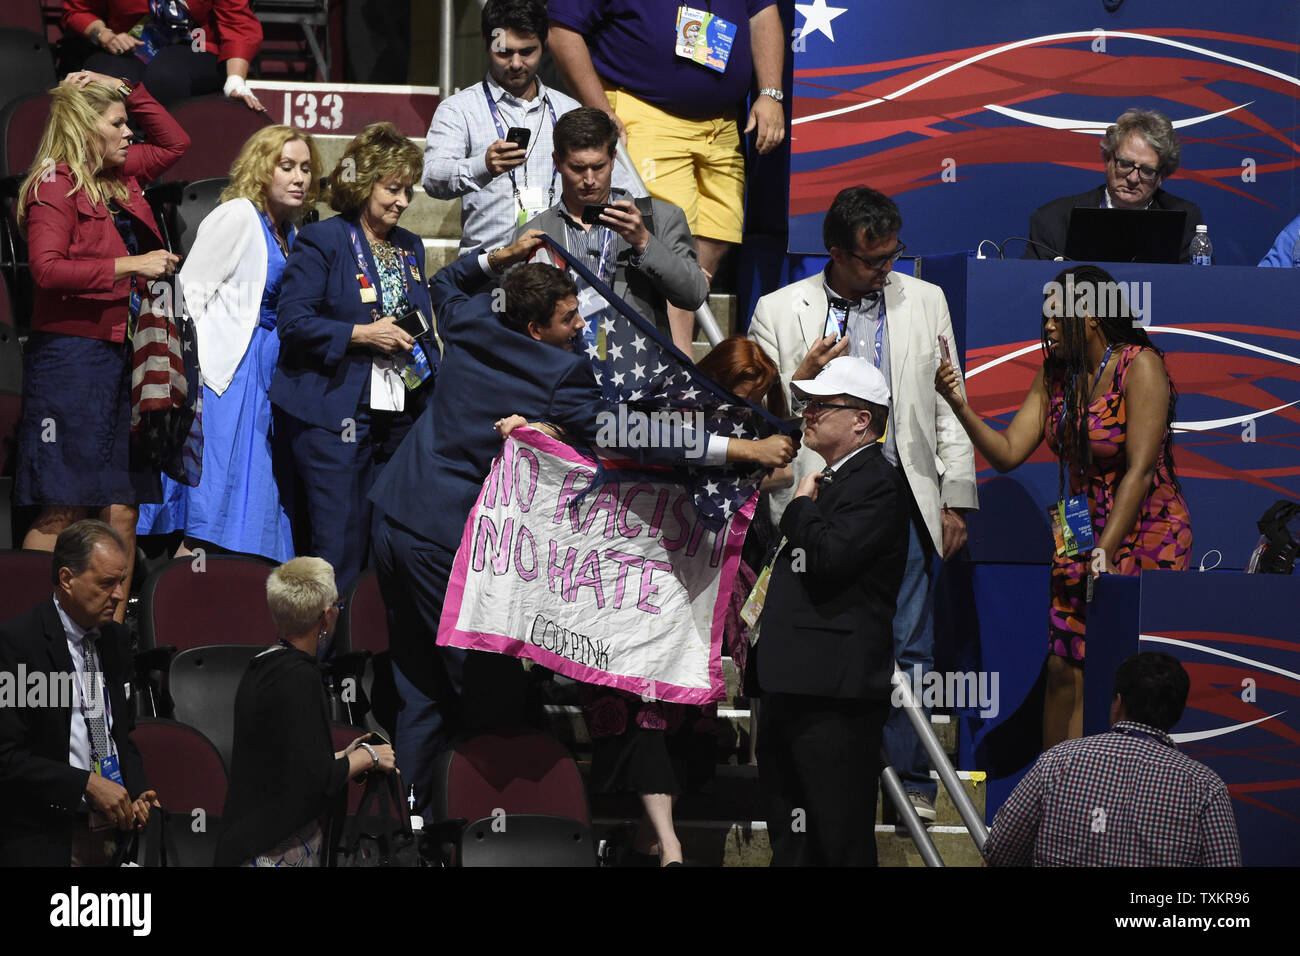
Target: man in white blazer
896 322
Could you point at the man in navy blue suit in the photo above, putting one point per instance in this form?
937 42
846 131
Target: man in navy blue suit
498 361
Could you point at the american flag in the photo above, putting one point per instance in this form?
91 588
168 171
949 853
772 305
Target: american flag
637 366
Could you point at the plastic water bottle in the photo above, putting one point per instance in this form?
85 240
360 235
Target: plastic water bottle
1202 249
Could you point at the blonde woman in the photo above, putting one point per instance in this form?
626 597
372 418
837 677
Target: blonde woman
284 770
350 381
93 248
231 285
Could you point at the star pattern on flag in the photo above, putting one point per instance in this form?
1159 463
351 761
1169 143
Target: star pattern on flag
817 18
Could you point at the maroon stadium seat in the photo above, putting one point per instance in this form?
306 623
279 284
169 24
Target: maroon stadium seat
187 773
217 126
26 581
26 64
224 603
203 682
535 781
182 765
23 15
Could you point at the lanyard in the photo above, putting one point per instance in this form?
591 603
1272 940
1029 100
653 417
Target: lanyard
364 266
1101 370
275 234
501 132
880 331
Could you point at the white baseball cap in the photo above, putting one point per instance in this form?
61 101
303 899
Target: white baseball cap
846 375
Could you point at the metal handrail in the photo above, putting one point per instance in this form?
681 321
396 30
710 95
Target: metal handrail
939 760
892 787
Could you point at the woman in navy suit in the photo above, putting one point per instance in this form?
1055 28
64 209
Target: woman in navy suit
350 381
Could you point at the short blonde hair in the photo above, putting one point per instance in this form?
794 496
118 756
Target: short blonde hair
251 172
376 153
298 592
72 138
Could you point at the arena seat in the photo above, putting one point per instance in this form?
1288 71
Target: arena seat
534 780
217 126
203 682
187 772
363 627
222 600
26 64
342 735
180 207
27 582
11 386
23 15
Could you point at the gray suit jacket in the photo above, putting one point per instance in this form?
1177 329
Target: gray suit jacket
668 272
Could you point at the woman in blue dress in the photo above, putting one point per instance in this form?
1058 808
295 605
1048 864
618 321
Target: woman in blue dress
231 284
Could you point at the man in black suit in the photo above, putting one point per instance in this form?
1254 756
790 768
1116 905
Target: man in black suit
68 767
826 652
509 351
1141 151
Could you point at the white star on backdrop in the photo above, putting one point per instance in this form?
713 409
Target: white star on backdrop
817 17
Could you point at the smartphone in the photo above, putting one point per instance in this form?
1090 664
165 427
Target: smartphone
837 321
519 135
413 323
591 211
945 350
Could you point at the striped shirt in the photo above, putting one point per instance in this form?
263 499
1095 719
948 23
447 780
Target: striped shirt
1127 797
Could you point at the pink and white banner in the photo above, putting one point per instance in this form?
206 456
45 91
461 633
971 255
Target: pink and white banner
625 587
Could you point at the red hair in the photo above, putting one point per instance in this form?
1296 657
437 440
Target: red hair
737 361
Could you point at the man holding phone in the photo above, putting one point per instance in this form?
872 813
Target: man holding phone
490 144
642 249
859 306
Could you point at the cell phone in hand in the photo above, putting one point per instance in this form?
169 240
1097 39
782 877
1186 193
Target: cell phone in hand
592 211
519 135
837 321
945 350
413 323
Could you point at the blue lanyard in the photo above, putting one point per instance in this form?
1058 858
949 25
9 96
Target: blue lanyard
364 266
288 236
501 133
1101 370
880 331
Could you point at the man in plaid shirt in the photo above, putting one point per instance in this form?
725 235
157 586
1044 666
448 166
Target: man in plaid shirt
1127 797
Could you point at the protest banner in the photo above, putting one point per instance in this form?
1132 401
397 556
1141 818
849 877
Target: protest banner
622 586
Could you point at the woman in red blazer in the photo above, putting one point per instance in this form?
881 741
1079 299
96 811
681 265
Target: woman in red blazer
182 50
93 247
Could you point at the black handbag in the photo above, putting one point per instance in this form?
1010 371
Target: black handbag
379 834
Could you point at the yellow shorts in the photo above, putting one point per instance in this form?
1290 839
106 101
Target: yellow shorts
694 164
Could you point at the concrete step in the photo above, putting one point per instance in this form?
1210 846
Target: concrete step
736 844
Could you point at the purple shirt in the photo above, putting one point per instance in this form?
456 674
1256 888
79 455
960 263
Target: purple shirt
632 42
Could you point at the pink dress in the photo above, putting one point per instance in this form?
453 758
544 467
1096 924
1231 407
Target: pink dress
1161 537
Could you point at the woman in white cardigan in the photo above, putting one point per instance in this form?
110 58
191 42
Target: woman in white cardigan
231 282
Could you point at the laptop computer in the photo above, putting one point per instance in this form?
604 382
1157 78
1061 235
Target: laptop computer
1125 235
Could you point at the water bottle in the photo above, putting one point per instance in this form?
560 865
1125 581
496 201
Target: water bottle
1202 249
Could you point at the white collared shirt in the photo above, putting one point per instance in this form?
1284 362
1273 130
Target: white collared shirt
79 732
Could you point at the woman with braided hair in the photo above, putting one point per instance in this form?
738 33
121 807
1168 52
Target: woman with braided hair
1105 404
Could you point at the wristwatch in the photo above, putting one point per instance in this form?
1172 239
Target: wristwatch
777 95
126 89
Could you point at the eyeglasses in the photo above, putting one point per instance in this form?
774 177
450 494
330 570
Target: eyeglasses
816 406
880 261
1126 166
